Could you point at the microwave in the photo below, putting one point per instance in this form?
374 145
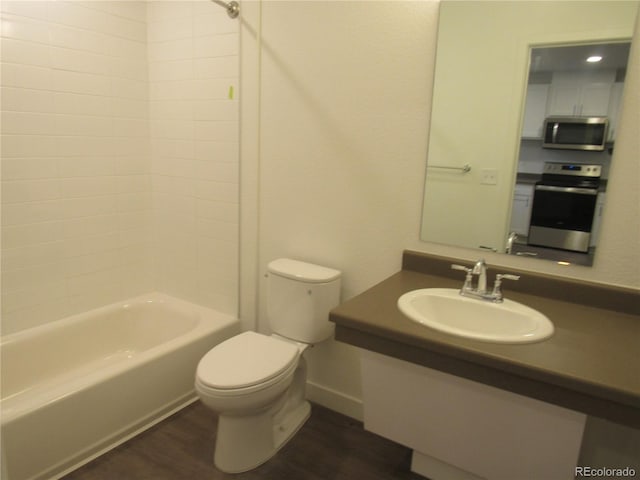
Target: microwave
575 133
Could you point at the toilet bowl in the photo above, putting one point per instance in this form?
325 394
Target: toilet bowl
255 382
246 372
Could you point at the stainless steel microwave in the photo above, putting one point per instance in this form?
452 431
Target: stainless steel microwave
575 133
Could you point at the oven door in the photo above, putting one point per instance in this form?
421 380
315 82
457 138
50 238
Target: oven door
562 217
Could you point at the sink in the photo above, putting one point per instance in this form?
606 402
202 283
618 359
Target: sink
446 310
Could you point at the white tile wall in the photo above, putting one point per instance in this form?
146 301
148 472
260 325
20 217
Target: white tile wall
76 188
193 64
119 142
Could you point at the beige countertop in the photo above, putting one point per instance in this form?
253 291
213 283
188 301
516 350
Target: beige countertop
590 364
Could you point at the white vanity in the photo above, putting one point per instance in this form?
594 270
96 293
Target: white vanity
473 409
465 430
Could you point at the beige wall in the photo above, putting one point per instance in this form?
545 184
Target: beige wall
334 148
344 101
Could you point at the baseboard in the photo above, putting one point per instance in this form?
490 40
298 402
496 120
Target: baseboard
334 400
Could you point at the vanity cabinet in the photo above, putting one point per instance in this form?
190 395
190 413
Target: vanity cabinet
573 94
464 430
471 409
521 209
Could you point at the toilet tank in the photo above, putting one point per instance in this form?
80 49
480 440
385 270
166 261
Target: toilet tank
299 297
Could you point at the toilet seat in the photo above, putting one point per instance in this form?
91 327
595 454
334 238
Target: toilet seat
247 362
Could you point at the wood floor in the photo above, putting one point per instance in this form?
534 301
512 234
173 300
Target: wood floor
329 446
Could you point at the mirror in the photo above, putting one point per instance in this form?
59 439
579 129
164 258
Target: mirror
484 125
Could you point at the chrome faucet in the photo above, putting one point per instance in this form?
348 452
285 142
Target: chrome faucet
480 291
480 269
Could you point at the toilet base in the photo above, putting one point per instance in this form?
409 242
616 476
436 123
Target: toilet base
246 442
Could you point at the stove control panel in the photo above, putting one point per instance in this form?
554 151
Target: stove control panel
573 169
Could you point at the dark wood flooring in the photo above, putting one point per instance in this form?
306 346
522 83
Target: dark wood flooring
329 446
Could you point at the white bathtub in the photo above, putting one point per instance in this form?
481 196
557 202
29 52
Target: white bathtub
77 387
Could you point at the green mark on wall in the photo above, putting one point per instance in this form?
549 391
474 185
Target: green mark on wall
230 92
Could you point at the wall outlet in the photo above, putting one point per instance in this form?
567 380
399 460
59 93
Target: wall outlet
489 176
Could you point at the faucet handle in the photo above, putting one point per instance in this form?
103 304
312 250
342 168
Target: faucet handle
506 276
461 267
497 291
467 279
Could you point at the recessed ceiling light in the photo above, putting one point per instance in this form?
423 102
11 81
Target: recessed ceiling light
594 58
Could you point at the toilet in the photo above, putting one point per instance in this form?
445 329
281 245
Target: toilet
255 382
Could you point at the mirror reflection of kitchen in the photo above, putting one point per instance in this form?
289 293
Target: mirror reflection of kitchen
568 135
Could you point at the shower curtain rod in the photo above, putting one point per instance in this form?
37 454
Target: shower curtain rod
233 7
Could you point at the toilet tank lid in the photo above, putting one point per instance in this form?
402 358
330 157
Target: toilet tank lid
302 271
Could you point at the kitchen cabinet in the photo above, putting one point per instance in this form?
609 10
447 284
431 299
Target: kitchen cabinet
615 104
521 209
597 219
580 94
572 94
535 110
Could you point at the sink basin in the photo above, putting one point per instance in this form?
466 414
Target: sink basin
446 310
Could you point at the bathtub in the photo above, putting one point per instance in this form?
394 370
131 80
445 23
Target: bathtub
77 387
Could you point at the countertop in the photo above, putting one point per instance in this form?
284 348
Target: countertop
528 178
591 363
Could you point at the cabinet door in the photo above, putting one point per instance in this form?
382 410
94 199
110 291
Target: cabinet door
563 100
576 94
521 211
614 109
597 219
594 99
535 110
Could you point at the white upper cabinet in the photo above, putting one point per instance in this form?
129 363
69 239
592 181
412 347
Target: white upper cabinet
572 94
535 110
577 94
614 108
